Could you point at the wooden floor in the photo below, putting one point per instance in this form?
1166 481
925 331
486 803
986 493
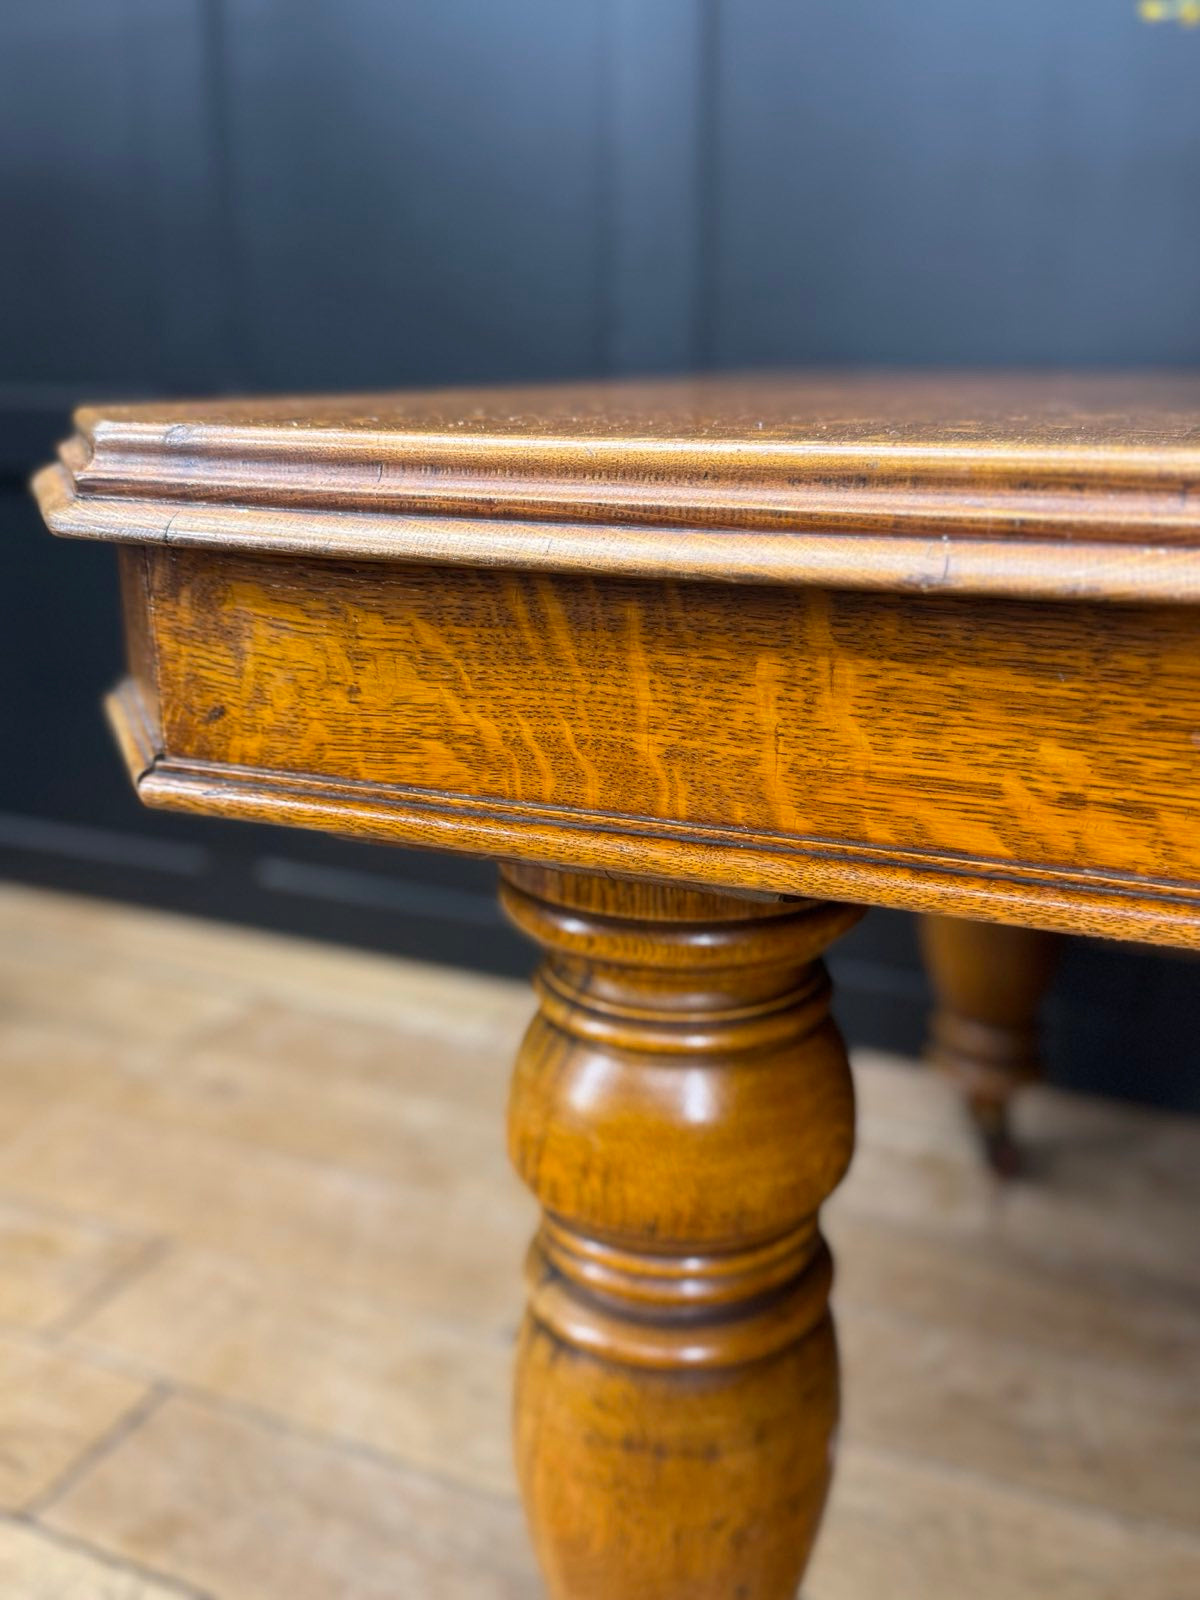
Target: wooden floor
259 1278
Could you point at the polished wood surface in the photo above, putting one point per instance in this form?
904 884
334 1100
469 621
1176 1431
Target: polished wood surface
989 982
682 1106
260 1251
1057 456
904 641
897 482
861 746
453 673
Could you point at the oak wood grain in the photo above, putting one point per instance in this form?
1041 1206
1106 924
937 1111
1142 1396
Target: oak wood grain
990 484
1112 456
1033 763
912 641
625 626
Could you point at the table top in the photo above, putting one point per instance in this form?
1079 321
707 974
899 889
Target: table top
1023 484
862 638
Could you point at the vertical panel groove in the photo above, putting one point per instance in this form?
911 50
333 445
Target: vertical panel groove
708 221
235 296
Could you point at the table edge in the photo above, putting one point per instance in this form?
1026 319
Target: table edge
954 560
1107 905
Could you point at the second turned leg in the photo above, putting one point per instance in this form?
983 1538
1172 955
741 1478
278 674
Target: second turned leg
681 1107
989 981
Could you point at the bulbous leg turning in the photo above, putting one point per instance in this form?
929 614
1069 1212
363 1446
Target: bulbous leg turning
681 1107
989 981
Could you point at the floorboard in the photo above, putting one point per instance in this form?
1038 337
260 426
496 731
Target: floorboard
260 1275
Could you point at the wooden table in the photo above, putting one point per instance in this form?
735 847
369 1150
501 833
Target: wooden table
707 666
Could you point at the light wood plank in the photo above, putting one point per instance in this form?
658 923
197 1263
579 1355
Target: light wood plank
903 1530
354 1233
338 1286
53 1265
1122 1440
53 1409
34 1565
107 1001
249 1513
326 1052
72 931
429 1392
44 1065
400 1127
1127 1197
1107 1314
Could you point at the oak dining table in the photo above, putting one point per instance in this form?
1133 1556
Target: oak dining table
708 666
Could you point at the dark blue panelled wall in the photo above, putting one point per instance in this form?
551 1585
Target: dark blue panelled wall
201 196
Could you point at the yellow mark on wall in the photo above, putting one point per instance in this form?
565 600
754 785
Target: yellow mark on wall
1186 12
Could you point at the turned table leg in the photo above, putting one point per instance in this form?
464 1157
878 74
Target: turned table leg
681 1107
989 981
